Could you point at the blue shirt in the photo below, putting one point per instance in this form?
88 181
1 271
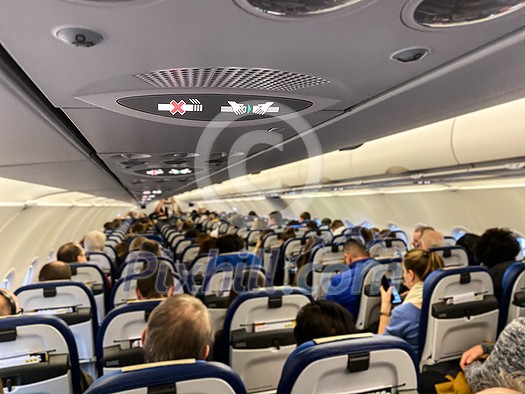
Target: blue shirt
345 288
404 324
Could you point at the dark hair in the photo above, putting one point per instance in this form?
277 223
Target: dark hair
468 241
287 234
150 287
69 252
57 270
326 221
9 307
230 243
355 248
422 262
152 246
496 245
311 225
305 215
251 279
178 328
322 318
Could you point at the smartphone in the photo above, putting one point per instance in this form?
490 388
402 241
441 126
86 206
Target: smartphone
386 283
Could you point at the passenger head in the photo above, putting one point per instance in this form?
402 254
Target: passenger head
71 253
287 234
418 264
152 246
326 221
95 241
156 285
354 250
311 225
208 245
230 243
496 245
468 241
56 270
178 328
201 237
417 234
275 218
321 319
136 243
137 228
336 224
8 303
431 239
250 280
187 225
109 226
305 217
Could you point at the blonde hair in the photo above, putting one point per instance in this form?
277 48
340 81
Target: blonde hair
422 262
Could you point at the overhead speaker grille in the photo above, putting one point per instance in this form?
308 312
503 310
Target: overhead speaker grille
230 77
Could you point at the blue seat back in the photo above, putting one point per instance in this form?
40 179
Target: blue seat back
119 334
40 337
181 376
459 311
362 363
512 302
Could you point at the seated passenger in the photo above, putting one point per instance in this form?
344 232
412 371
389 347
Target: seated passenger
326 222
345 288
71 253
136 243
56 270
504 367
468 242
305 217
95 241
152 246
497 249
230 244
157 285
320 319
418 231
337 227
8 303
431 239
403 321
179 328
275 219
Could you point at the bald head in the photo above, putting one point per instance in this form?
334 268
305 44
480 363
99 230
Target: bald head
57 270
354 250
431 239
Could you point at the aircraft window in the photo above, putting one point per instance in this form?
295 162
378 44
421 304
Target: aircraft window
458 231
8 279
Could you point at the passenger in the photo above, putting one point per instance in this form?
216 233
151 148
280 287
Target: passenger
157 285
152 246
417 234
403 321
201 238
136 243
56 270
179 328
95 241
305 217
431 239
8 303
71 253
497 249
137 228
208 245
320 319
230 244
326 222
345 287
108 227
258 244
275 219
468 241
505 361
337 227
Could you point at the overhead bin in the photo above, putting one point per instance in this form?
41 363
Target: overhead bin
417 149
490 134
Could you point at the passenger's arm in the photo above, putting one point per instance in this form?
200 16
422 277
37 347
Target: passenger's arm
386 309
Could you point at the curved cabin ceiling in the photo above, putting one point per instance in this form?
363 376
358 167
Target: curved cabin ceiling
148 84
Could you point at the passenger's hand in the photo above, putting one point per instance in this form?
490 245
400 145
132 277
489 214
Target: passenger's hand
470 356
386 295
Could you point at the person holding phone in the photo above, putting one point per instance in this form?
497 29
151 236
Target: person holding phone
403 321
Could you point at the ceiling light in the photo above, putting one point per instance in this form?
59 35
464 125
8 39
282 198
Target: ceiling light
515 166
293 8
435 14
155 172
79 37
